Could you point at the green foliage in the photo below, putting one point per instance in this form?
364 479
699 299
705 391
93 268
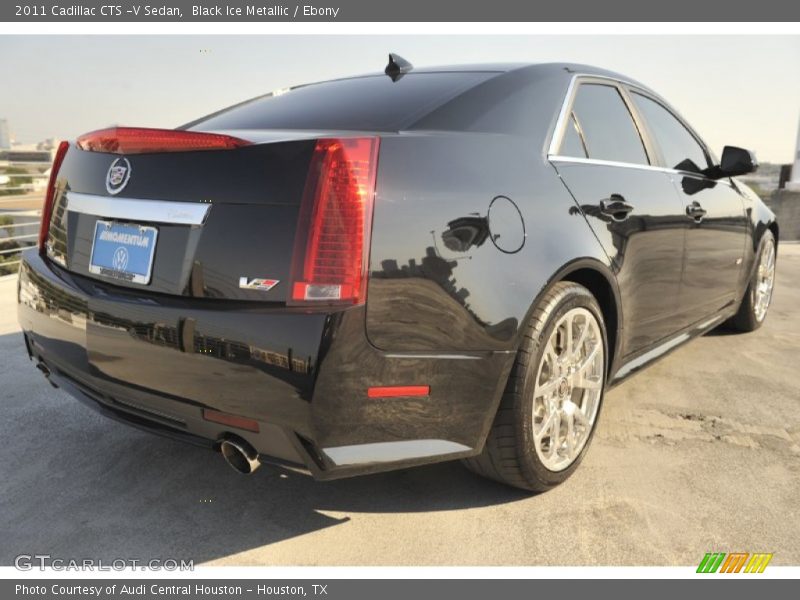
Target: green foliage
15 181
12 257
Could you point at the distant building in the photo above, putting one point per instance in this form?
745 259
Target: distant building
48 144
5 136
36 158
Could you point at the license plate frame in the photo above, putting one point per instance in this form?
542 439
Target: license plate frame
124 244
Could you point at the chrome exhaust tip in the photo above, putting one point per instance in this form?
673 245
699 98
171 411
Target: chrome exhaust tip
240 455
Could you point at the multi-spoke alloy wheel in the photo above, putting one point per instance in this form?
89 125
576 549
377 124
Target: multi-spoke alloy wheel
765 280
568 386
758 296
550 405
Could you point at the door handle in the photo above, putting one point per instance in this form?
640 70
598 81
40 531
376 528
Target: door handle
616 207
695 211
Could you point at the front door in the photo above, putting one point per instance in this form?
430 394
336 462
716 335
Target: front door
714 214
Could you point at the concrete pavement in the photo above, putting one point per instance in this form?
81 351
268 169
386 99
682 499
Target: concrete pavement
699 453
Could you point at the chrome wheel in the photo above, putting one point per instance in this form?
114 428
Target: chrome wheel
765 280
568 389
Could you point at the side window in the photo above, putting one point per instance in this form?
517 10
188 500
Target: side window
609 132
573 143
677 145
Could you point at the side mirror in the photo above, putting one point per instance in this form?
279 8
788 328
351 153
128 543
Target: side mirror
737 161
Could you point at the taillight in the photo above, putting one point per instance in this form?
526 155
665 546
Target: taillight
329 264
141 140
50 196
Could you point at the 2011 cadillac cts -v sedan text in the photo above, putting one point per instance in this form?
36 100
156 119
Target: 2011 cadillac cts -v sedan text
394 269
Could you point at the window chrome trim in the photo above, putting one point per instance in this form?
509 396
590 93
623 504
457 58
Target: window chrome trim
653 97
566 106
381 452
567 110
623 165
576 124
613 163
563 116
626 88
138 209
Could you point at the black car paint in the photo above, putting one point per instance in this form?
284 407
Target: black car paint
445 306
254 195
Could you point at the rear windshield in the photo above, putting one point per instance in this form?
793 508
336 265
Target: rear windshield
374 103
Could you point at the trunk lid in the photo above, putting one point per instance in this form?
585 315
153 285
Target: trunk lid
220 220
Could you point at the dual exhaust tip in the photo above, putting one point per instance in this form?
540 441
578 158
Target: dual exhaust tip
240 455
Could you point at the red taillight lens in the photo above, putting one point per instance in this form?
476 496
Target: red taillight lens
50 196
140 140
333 231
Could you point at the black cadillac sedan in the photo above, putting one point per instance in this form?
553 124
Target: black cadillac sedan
394 269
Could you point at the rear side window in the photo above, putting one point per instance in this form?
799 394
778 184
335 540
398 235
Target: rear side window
573 142
609 132
677 144
374 103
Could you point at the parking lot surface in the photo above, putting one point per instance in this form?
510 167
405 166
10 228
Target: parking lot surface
698 453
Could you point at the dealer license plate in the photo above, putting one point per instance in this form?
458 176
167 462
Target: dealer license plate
123 251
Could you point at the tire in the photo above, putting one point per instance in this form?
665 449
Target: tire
752 313
520 449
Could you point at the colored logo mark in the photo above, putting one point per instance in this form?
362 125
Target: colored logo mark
735 562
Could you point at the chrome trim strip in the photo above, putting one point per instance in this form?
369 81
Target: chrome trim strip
137 209
639 362
624 165
705 324
391 451
610 163
663 348
558 131
566 106
437 356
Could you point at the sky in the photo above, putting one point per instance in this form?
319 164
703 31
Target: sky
737 90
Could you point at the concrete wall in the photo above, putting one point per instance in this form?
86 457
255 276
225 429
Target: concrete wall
786 205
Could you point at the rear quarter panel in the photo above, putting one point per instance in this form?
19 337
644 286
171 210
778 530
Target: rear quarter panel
426 295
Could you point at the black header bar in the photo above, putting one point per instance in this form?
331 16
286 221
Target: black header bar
243 11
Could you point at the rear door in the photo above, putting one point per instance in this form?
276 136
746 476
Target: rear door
714 213
631 206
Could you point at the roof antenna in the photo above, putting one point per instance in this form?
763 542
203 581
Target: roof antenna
397 67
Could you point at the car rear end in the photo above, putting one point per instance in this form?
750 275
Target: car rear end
211 285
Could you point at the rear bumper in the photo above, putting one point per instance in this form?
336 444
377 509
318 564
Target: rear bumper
156 362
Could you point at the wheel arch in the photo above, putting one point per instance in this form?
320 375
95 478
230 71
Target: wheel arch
773 227
757 238
601 282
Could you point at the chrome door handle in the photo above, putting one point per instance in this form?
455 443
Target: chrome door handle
695 211
616 207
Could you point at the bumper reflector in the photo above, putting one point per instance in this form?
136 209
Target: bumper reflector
231 420
398 391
